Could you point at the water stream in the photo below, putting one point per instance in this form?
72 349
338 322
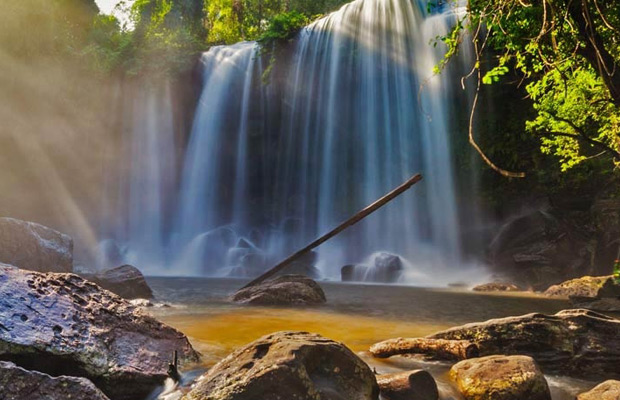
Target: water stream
356 315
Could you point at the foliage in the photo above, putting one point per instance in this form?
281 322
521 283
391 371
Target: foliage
283 27
567 53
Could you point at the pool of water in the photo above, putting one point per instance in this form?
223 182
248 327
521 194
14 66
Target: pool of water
356 315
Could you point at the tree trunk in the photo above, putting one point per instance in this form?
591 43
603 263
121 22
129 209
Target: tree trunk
439 349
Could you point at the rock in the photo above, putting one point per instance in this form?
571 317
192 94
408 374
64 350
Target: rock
305 265
500 378
347 273
609 289
586 286
254 262
236 254
385 268
608 390
606 304
61 324
209 250
34 247
288 365
410 385
537 250
126 281
496 287
283 290
19 384
577 343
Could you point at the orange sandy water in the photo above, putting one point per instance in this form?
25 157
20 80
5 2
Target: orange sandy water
216 335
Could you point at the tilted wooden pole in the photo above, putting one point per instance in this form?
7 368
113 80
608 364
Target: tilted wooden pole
351 221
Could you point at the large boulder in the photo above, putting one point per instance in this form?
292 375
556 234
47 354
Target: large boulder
126 281
35 247
578 343
61 324
500 378
283 290
608 390
586 286
537 250
285 366
19 384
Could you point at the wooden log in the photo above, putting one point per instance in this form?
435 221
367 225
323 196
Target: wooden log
410 385
351 221
440 349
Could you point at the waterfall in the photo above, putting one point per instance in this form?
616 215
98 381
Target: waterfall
349 111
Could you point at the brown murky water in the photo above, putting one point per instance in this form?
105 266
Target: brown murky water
356 315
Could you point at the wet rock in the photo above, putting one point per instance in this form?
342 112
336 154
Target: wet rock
410 385
34 247
586 286
254 262
61 324
209 250
500 378
19 384
385 268
126 281
288 365
236 254
305 265
608 390
577 343
496 287
347 273
537 250
283 290
605 304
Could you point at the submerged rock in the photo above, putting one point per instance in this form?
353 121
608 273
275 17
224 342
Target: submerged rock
586 286
61 324
578 343
35 247
500 378
496 287
126 281
283 290
608 390
285 366
20 384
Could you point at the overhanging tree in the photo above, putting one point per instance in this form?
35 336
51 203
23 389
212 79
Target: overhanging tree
567 54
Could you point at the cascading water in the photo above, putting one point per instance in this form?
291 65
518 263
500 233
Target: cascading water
363 116
352 113
147 166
